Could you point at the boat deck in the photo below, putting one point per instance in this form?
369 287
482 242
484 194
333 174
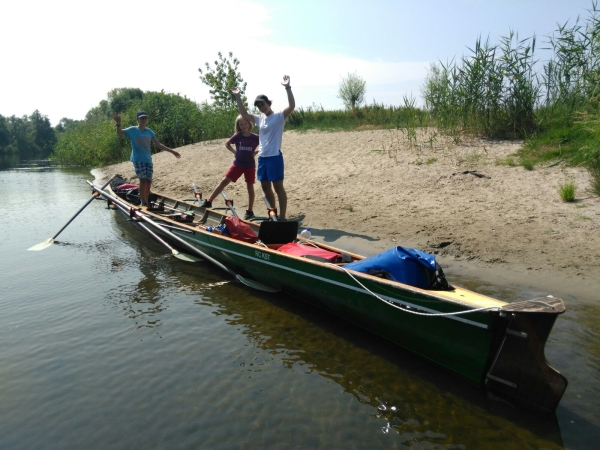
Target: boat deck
459 295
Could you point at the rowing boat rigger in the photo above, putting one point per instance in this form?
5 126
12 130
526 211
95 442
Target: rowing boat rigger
490 342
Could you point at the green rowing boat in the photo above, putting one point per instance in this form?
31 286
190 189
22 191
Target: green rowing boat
488 341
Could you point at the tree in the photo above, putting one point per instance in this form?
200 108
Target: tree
352 90
66 124
4 133
22 140
99 113
221 78
120 99
42 132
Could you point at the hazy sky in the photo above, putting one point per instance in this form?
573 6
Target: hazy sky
62 57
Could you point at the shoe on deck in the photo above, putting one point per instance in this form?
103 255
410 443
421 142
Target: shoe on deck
249 215
206 204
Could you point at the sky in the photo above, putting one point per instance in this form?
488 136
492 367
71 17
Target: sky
62 57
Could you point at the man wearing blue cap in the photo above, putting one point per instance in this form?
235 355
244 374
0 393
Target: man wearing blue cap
140 138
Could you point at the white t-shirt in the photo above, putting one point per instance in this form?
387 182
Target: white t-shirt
270 133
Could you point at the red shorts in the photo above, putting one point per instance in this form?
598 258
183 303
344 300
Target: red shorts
235 172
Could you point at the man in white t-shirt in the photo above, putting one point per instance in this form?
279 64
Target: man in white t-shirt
270 125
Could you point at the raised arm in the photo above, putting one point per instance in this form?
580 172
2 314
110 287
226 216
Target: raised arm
241 107
291 102
117 118
161 146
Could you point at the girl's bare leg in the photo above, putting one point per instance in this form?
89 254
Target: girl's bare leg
251 195
224 182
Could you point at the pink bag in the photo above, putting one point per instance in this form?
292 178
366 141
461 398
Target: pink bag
310 252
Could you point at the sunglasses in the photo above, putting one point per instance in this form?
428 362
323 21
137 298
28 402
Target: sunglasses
259 104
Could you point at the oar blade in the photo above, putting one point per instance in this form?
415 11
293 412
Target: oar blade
42 245
256 285
186 257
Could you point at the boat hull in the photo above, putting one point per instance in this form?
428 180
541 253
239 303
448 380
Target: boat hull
460 344
465 332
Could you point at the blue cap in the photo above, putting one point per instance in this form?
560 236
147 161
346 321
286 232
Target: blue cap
141 114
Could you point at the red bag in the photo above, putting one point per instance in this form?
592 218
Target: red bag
240 230
308 251
127 186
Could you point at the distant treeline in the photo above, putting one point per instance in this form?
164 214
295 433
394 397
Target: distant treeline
29 136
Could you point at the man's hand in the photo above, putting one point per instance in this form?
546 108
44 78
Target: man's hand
286 80
117 118
235 91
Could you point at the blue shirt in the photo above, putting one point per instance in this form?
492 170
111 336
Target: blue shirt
140 144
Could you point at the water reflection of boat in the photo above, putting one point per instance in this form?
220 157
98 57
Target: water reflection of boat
486 340
400 392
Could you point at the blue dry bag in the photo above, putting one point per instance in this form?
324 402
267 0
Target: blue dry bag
405 265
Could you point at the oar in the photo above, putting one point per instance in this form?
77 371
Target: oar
48 242
247 282
229 204
176 254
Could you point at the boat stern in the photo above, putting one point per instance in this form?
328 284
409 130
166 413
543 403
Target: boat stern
520 372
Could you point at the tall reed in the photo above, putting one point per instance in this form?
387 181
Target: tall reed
490 92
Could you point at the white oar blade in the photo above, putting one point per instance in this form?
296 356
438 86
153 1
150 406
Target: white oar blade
185 257
42 245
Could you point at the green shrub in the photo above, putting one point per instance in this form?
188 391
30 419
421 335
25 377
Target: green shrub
91 144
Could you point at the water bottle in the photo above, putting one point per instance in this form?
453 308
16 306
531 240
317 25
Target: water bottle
305 233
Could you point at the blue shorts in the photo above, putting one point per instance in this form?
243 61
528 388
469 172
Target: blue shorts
270 168
143 170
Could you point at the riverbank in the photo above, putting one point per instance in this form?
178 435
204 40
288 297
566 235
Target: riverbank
368 191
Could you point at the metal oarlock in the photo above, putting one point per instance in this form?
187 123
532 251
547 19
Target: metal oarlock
229 204
271 212
197 194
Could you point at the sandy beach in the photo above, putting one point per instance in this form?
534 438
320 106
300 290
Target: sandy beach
369 190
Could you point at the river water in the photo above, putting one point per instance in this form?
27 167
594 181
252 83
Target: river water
108 341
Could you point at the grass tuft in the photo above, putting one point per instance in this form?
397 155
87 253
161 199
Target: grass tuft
567 191
527 164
